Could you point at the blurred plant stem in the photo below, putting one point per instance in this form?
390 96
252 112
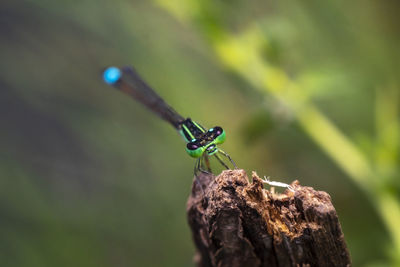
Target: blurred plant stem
242 53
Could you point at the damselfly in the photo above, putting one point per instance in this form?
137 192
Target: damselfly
201 143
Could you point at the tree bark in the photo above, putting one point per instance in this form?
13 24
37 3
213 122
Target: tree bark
238 223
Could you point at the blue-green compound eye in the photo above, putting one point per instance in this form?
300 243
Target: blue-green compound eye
194 149
220 135
111 75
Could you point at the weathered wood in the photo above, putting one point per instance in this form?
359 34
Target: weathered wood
238 223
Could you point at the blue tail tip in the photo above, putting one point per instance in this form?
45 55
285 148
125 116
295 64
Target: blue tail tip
111 75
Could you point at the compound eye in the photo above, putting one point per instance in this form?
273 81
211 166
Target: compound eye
217 130
193 145
219 135
194 149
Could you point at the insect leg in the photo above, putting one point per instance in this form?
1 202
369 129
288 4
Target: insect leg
220 161
229 157
197 169
201 164
207 161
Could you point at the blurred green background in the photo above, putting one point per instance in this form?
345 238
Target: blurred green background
306 90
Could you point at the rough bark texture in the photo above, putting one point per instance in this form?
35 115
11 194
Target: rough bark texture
238 223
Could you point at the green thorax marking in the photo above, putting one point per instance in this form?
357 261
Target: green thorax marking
191 130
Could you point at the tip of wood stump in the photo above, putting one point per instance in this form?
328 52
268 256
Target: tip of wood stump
234 221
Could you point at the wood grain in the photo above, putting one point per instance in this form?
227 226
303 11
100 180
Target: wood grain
238 223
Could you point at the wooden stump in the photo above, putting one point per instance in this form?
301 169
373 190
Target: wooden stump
238 223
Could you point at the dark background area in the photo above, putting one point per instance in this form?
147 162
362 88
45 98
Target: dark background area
89 177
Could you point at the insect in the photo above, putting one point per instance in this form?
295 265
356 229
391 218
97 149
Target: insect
200 142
